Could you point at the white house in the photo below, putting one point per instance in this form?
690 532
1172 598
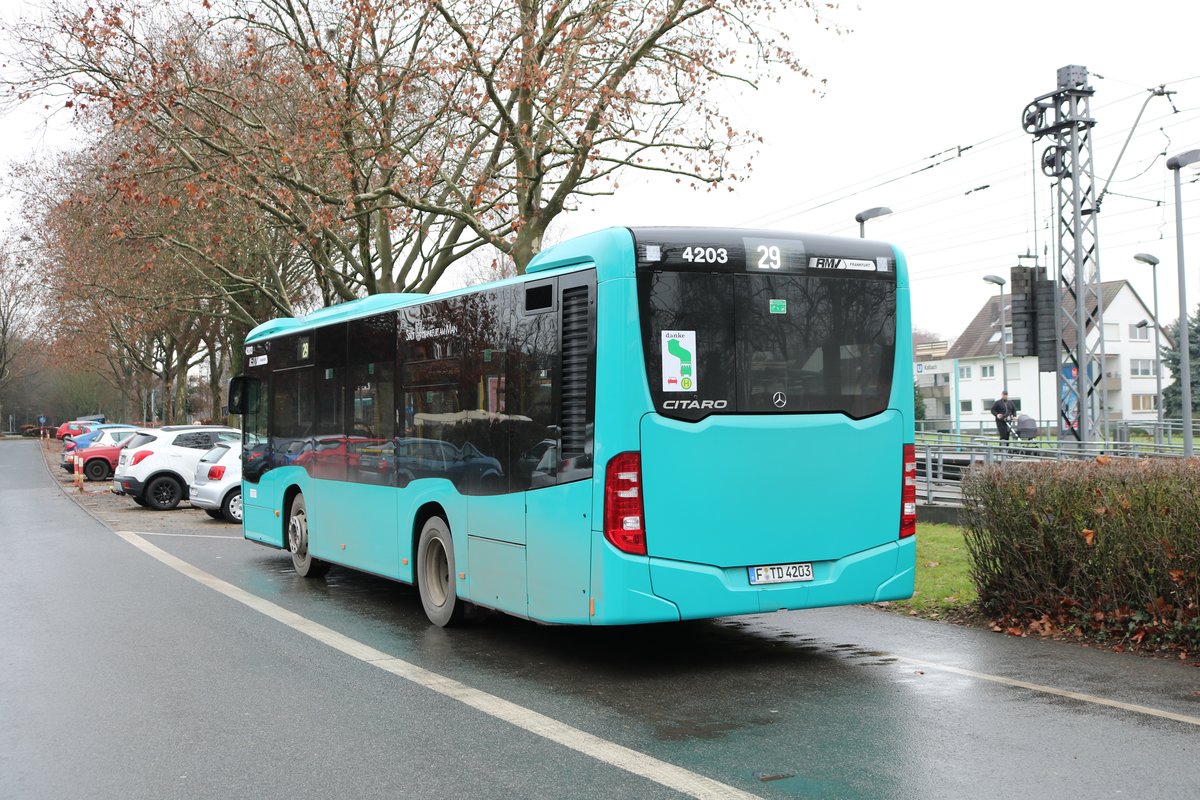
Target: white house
960 387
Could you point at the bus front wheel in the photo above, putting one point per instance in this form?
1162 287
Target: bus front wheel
435 574
297 542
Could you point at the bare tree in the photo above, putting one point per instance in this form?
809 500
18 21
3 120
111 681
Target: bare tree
389 138
19 314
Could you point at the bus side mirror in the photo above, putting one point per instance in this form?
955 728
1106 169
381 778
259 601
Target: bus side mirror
239 395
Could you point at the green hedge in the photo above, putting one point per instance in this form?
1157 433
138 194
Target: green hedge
1109 547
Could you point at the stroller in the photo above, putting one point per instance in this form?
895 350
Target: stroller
1021 426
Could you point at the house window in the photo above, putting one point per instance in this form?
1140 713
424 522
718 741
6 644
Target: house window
987 371
1137 334
1145 402
1014 370
1112 332
964 373
965 406
1141 367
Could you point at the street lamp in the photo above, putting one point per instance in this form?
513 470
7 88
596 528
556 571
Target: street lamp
871 213
1176 163
996 279
1146 258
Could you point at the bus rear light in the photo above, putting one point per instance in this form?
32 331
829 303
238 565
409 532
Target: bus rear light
623 504
908 493
139 457
216 472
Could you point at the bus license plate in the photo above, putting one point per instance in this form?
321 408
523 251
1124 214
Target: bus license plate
781 573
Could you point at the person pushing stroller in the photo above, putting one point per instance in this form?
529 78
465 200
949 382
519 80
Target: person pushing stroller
1003 410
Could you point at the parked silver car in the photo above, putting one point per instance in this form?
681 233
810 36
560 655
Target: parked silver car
217 485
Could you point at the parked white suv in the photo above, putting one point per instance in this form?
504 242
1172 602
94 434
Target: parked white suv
157 464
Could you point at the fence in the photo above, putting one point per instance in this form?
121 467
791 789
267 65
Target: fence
943 456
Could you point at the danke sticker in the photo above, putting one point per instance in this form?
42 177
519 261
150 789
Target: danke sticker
679 361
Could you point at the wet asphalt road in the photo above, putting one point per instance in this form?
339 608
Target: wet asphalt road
122 678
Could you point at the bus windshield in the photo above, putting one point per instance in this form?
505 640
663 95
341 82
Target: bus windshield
782 343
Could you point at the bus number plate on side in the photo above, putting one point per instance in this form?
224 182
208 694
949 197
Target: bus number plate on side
780 573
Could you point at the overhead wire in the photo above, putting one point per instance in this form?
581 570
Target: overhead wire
987 193
910 170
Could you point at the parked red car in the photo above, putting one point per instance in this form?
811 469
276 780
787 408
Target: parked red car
99 463
73 428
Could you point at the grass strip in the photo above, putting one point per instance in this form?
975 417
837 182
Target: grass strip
944 587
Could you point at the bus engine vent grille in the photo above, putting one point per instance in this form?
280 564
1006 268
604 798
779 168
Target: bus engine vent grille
574 370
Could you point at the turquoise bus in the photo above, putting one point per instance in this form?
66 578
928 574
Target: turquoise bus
651 424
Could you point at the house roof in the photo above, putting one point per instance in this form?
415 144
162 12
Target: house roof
977 339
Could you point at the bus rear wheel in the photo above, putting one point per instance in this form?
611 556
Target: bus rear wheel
297 542
435 574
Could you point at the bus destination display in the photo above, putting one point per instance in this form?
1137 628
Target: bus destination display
756 254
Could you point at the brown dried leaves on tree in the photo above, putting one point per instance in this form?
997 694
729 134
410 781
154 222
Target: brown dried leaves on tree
382 140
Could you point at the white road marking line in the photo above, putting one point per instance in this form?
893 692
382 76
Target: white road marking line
1037 687
192 535
661 772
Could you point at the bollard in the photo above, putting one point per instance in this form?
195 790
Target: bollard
79 474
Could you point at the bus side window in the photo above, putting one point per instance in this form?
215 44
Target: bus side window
431 379
533 370
329 433
250 404
291 416
372 407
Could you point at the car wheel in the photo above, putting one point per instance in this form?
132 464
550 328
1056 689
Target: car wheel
231 506
96 470
215 513
139 500
297 542
163 493
435 574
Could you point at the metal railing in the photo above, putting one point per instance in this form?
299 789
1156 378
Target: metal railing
943 457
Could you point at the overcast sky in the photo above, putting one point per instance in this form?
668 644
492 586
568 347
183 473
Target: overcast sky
911 84
923 77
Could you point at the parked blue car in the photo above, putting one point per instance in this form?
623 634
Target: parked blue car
100 436
88 439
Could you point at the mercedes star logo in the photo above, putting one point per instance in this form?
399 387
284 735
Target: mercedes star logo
780 399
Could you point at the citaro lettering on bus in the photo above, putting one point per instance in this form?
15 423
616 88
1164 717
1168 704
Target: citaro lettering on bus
690 405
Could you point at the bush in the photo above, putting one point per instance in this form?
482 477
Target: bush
1110 547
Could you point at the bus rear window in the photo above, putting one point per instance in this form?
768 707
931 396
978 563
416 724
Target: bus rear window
722 343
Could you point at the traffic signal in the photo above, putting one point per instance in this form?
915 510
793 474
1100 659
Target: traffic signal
1033 330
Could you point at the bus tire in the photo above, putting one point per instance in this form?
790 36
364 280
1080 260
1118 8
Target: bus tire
297 542
435 574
